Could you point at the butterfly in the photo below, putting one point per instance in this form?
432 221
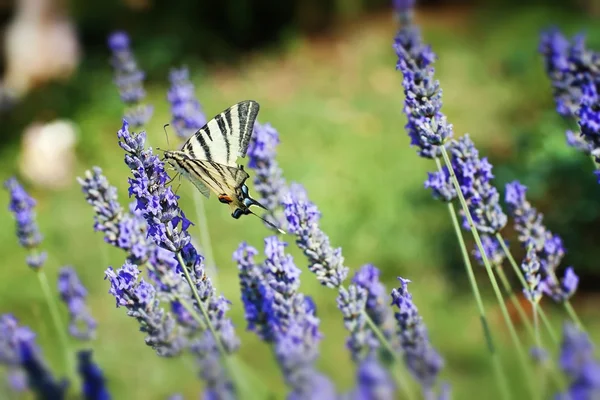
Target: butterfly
209 158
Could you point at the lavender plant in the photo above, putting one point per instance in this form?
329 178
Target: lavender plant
574 72
129 80
82 325
423 361
187 118
167 227
22 206
19 351
548 247
429 131
283 317
579 364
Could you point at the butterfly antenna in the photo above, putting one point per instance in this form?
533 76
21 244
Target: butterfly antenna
268 222
165 129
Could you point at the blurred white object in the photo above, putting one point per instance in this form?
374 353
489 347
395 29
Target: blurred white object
40 45
47 156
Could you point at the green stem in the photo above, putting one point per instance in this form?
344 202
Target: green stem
236 370
400 375
515 302
192 312
56 320
496 365
205 242
190 282
546 322
488 268
519 274
573 315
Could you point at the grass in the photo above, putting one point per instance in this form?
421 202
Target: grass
336 102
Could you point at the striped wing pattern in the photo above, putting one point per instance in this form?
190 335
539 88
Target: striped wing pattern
209 176
225 137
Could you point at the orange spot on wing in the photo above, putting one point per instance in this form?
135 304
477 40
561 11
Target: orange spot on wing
225 198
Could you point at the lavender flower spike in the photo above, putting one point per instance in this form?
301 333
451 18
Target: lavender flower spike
82 325
28 233
549 248
187 113
422 360
578 363
427 126
94 384
138 296
19 351
103 198
285 317
254 290
373 382
377 307
129 79
574 72
268 179
303 221
531 267
352 302
167 227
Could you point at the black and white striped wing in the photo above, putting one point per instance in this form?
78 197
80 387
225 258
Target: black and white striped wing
208 175
225 137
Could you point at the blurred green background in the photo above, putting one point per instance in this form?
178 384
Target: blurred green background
324 74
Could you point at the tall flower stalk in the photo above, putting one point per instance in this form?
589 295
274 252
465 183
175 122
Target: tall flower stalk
22 206
187 118
283 317
129 79
574 72
168 228
428 130
423 361
327 264
547 246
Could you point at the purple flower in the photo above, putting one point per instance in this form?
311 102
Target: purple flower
529 223
128 231
19 351
377 307
493 250
589 117
129 79
82 325
422 360
373 382
578 363
94 385
103 198
352 302
474 175
167 227
531 268
28 233
187 113
427 126
441 186
253 287
303 221
268 177
138 296
574 72
167 224
285 317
